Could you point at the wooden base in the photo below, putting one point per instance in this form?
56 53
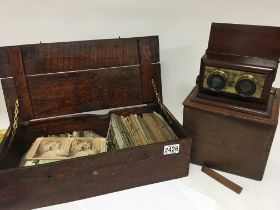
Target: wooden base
64 181
230 138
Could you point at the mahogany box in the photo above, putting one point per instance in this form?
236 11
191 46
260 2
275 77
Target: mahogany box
55 84
228 139
234 133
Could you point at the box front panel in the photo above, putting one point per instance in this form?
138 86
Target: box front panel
32 187
229 144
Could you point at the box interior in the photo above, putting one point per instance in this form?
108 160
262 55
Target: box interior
27 134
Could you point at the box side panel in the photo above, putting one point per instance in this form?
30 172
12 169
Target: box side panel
33 187
229 144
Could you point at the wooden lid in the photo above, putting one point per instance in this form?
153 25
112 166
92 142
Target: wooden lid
52 79
245 40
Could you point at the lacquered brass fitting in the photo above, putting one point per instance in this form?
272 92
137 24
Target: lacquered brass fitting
248 77
221 73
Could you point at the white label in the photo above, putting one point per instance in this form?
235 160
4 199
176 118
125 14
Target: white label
171 149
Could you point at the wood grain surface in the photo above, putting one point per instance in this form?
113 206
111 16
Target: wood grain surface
45 58
32 187
230 140
223 180
245 40
123 81
20 84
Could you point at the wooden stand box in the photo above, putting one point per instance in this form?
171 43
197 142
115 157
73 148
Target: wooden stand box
52 82
229 139
232 113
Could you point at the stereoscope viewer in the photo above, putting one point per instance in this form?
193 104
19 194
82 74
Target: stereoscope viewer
232 113
240 65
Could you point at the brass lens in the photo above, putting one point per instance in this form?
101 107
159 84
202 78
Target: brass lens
246 85
216 81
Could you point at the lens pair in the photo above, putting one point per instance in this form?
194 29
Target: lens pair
245 86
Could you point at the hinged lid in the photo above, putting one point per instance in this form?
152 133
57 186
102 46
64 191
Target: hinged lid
72 77
245 40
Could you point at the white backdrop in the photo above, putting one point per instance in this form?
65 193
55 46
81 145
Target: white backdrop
183 27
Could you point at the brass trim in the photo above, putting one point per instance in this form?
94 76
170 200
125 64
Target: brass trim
248 77
213 75
221 73
233 76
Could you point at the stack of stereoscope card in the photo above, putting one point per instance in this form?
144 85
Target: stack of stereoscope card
64 146
135 130
123 132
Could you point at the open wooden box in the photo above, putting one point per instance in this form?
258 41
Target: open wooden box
54 81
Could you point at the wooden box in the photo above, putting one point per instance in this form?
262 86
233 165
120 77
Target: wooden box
228 138
56 81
